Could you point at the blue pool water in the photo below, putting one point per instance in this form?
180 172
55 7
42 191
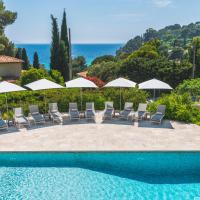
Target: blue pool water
89 51
101 176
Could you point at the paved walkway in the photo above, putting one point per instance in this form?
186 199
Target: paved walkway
108 136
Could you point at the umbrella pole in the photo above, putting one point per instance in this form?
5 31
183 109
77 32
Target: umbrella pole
81 97
45 102
120 98
6 106
154 94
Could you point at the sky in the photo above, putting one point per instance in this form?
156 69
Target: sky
97 21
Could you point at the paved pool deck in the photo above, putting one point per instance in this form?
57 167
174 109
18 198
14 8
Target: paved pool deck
113 135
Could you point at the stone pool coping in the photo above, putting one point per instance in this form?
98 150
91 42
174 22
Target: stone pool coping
110 136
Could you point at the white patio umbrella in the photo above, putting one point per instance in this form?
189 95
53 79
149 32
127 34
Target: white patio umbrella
80 83
6 87
121 83
154 85
43 84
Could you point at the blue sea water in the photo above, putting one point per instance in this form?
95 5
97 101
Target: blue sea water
100 176
89 51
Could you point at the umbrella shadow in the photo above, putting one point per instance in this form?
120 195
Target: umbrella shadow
166 124
10 130
118 121
80 121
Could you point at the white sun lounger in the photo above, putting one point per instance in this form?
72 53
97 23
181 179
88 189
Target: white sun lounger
19 118
159 115
35 115
126 113
90 111
141 112
55 115
73 111
108 112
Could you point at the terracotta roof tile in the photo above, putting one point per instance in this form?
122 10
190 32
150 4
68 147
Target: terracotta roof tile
82 74
8 59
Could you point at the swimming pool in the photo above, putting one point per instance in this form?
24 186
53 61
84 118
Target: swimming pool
101 176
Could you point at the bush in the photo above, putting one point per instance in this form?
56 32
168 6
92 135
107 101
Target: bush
64 96
34 74
190 86
178 107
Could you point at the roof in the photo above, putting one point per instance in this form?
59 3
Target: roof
83 74
8 59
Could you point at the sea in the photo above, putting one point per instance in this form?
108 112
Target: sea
89 51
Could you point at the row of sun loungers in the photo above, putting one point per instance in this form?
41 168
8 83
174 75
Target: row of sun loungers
128 113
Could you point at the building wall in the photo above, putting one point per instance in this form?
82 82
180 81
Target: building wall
10 70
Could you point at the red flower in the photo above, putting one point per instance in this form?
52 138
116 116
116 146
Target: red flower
96 80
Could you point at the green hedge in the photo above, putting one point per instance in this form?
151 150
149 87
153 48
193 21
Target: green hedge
64 96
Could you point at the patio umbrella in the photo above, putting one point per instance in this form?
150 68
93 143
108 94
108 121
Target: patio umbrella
43 84
80 83
121 83
6 87
154 85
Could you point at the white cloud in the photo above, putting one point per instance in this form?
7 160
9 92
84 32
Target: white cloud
162 3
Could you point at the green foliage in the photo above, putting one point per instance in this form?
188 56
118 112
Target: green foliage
172 36
190 86
64 96
54 59
60 48
63 61
148 50
7 17
142 69
178 107
101 59
18 53
177 54
33 75
25 64
57 77
106 71
78 65
36 62
131 46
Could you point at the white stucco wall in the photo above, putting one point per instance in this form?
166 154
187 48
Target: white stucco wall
10 70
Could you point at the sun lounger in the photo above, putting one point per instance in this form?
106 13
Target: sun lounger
90 111
159 115
55 115
19 118
108 113
35 115
126 113
73 111
141 112
3 124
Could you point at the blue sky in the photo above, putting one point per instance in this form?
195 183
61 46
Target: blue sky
97 21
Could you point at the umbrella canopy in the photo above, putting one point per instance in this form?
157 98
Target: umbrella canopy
6 87
80 83
121 83
154 84
43 84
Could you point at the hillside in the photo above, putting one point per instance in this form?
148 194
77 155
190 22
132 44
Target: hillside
172 36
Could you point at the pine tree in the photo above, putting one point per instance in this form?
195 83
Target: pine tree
26 64
63 60
19 53
54 63
64 44
36 63
64 30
